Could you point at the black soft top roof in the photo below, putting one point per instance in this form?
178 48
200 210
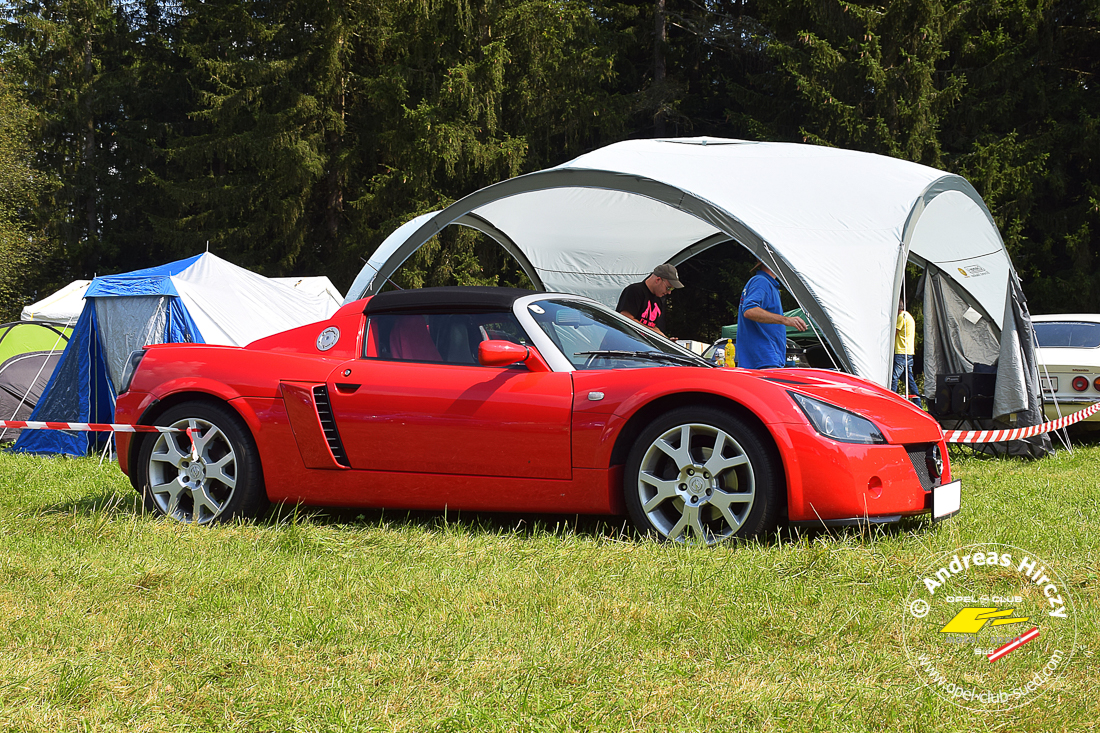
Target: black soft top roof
445 299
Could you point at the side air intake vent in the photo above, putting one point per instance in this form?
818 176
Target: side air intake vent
328 424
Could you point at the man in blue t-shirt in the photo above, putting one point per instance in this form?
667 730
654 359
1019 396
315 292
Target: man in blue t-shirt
761 325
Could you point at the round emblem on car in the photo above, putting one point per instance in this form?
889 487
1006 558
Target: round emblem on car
328 338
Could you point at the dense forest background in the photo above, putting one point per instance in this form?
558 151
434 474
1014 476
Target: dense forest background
292 137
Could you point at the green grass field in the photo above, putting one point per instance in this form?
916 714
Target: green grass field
329 621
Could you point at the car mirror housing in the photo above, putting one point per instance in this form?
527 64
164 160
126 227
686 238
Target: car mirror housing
501 353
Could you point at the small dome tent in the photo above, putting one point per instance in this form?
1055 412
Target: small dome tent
837 226
203 299
29 352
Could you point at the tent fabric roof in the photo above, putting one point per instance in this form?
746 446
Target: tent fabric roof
234 306
315 285
150 281
20 337
836 225
64 306
228 304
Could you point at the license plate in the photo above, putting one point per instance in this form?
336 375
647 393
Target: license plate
946 500
1048 384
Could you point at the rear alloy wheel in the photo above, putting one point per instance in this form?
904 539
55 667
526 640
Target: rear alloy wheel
703 473
215 478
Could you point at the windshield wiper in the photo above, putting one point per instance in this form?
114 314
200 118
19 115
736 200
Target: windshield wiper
650 355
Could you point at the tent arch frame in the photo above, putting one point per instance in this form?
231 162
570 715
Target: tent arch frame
729 226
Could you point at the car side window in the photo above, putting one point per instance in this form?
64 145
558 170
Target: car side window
437 338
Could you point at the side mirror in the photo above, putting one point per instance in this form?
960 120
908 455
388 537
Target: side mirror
501 353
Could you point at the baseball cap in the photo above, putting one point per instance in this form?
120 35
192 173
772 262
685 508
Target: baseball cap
668 272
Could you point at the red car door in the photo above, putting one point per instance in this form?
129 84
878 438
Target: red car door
453 418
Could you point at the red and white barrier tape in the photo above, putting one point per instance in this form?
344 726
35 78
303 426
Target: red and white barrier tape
950 436
95 427
997 436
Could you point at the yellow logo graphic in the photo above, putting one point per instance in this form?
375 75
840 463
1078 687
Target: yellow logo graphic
970 620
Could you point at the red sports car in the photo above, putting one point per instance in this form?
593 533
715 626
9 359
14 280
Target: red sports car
509 400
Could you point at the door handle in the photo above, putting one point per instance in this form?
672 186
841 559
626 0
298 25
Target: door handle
346 388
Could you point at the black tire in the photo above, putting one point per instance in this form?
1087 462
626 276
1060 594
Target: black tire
674 498
225 483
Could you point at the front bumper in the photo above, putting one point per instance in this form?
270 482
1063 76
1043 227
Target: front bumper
942 501
835 483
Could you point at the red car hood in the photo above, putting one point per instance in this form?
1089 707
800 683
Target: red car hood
764 392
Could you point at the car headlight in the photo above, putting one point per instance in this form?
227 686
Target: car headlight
838 424
131 367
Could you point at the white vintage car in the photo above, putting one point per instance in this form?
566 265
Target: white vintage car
1069 362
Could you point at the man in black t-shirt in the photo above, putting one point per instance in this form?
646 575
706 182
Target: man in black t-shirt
644 302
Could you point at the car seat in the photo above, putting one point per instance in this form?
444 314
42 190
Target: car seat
456 341
410 340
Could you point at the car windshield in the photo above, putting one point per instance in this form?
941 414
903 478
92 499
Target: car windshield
592 338
1068 334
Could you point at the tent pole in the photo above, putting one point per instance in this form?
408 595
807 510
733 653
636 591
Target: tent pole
1063 434
905 300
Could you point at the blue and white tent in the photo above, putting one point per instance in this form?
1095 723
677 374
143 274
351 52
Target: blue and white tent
203 299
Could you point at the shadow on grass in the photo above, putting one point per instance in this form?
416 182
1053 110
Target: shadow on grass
125 504
615 528
128 504
608 528
471 522
864 532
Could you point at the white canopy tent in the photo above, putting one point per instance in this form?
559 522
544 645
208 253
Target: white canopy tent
837 226
64 306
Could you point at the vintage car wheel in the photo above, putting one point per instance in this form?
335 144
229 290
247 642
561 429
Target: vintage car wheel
217 479
701 474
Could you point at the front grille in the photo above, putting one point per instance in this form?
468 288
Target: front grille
328 425
918 456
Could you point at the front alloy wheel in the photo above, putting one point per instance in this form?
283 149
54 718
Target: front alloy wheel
207 472
702 473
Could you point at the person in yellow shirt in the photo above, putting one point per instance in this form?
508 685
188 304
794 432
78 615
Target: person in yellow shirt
904 347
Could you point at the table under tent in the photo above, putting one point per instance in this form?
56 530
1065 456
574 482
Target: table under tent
838 227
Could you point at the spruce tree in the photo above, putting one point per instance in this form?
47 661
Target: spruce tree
22 249
1027 134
